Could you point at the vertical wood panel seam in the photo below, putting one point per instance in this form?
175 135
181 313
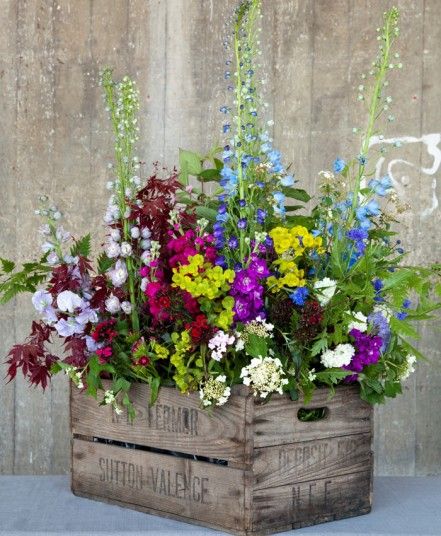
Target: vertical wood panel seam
311 100
15 175
421 125
164 92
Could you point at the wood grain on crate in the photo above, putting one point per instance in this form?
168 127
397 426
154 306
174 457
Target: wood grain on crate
277 423
282 473
190 489
174 422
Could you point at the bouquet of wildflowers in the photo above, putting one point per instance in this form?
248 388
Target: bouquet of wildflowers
243 287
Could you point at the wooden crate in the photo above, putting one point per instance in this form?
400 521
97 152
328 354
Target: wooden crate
248 468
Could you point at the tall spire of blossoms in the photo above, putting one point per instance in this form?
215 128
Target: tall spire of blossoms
253 176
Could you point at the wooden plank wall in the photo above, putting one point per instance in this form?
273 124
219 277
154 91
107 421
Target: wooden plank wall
55 139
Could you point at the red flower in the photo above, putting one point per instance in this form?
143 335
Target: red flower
104 354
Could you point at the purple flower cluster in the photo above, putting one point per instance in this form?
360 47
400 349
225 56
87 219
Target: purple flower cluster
247 290
380 327
367 352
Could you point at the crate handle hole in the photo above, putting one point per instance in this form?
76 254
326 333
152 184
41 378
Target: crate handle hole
312 414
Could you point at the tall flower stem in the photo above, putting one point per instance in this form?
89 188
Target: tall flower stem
376 105
122 108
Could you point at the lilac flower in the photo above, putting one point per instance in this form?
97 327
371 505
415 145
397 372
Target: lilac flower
42 302
339 165
68 301
69 327
87 315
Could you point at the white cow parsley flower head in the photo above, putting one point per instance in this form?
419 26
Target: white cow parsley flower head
359 321
214 391
264 375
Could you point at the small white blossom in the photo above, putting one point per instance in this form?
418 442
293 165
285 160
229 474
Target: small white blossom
135 233
264 375
359 321
109 397
325 290
409 367
218 344
312 375
144 283
118 274
339 357
52 258
126 306
145 232
126 249
112 249
113 304
62 235
115 234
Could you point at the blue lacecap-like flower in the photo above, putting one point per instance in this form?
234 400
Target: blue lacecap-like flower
279 198
298 297
338 165
242 223
381 186
287 180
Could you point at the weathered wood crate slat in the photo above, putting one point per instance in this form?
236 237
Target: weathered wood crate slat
248 468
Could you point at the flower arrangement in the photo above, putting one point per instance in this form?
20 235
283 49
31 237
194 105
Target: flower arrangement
243 287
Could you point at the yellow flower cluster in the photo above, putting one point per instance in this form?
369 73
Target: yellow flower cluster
161 352
290 244
295 240
182 344
226 313
201 278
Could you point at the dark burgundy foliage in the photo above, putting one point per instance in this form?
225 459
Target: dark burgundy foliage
32 356
62 280
76 347
158 198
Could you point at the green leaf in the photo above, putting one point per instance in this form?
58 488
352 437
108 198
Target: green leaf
7 266
207 213
296 193
81 247
208 175
292 208
403 328
154 386
392 389
256 346
332 376
104 263
319 346
306 221
190 164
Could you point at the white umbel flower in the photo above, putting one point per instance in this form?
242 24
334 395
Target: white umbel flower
264 375
339 357
409 367
214 392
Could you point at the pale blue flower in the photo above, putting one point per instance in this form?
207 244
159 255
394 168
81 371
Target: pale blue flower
287 180
68 301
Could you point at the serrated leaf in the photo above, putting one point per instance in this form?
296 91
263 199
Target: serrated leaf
81 247
7 265
256 346
104 263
